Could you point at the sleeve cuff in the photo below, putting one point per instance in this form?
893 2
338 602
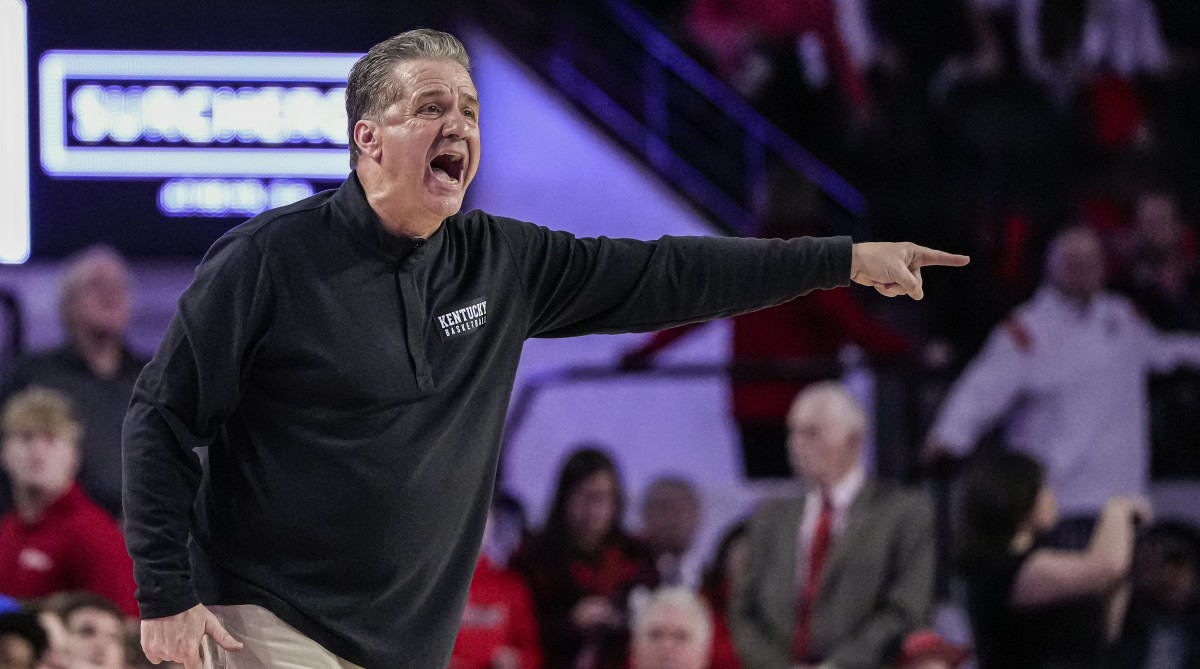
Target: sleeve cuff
164 604
842 250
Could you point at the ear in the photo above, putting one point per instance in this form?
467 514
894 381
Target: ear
368 137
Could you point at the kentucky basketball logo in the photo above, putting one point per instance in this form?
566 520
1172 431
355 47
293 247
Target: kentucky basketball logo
466 319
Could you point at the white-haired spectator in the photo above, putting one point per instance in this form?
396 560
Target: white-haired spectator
94 367
673 631
840 575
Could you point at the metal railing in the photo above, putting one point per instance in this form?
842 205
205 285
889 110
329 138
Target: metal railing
704 139
906 395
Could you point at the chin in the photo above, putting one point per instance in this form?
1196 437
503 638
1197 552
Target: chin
446 207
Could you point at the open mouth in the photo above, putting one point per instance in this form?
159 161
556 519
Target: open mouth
447 167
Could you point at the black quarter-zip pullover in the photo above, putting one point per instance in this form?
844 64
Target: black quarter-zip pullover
351 388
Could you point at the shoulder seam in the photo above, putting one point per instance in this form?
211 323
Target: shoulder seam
272 219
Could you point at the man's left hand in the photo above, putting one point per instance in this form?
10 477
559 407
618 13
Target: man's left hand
895 268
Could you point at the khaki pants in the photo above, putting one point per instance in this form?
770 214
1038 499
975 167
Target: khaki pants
268 643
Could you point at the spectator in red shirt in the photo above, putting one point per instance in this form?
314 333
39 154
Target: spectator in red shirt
732 28
790 60
673 631
583 567
498 629
55 538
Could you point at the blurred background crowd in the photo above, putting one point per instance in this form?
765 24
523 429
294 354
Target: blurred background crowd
994 498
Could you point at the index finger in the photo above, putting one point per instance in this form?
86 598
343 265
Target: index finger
925 257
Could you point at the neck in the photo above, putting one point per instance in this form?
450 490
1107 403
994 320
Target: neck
1080 301
589 546
828 483
1022 541
32 502
100 350
393 213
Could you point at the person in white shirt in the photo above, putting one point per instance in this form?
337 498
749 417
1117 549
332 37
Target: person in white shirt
1067 374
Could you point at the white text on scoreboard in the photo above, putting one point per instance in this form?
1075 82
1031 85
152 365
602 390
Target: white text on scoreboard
141 114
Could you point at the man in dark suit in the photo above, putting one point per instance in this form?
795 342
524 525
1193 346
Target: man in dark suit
837 577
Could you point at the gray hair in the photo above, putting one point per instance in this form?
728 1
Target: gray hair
80 268
1074 234
371 86
834 396
676 598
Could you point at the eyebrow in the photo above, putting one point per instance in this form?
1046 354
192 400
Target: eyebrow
436 93
431 93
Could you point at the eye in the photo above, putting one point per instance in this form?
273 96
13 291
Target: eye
470 113
430 109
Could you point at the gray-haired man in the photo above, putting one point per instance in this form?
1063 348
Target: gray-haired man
348 361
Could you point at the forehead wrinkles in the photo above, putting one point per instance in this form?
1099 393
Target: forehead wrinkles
414 78
441 90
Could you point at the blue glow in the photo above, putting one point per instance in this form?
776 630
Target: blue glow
14 133
309 122
228 197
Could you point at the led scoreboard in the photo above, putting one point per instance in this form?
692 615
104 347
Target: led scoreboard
153 142
227 133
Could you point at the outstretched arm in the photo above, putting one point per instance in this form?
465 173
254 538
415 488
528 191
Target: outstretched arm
578 286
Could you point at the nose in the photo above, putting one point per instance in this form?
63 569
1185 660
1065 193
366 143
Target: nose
457 125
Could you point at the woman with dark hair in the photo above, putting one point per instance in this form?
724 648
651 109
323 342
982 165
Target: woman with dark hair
583 567
1031 606
716 587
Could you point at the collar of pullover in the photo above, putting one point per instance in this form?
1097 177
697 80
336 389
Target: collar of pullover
356 214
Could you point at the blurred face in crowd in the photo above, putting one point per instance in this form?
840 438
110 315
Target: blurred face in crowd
1077 264
670 516
822 442
96 298
40 460
592 510
15 652
1045 511
1156 219
425 146
97 638
1167 576
671 637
